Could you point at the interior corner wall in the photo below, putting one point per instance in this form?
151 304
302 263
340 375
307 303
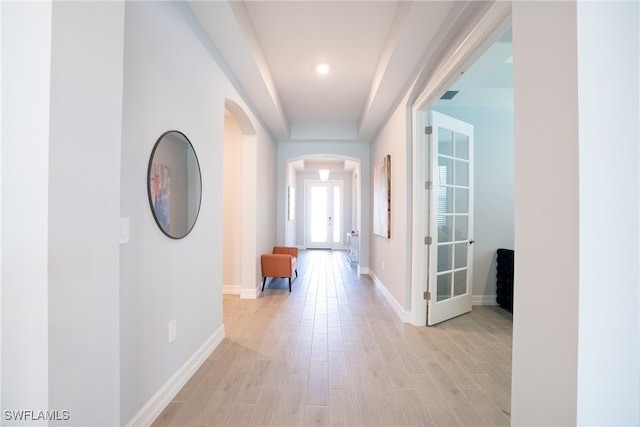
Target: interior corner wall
493 191
291 234
171 81
545 321
267 199
609 330
390 258
84 205
232 205
26 60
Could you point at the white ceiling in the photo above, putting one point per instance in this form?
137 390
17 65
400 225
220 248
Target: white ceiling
376 50
489 81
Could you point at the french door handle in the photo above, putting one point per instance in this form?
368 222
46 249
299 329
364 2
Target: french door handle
471 242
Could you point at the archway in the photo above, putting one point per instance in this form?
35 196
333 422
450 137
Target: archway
343 169
239 200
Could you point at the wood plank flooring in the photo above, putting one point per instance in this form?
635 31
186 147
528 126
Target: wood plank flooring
333 353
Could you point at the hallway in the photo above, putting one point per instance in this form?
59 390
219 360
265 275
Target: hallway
333 352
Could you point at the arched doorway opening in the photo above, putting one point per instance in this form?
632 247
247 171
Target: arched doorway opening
302 176
239 199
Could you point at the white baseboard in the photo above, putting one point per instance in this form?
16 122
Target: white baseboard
250 293
231 289
403 314
483 300
363 270
154 407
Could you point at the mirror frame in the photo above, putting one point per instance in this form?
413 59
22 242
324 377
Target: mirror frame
148 184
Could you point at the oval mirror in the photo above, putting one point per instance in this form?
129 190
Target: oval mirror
175 184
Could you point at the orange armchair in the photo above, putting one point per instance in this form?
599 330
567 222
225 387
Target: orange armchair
282 263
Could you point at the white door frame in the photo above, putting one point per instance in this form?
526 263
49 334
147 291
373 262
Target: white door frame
332 183
484 34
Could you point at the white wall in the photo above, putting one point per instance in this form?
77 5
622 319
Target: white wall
545 340
84 200
268 201
391 258
171 81
1 116
26 56
291 236
576 338
61 209
609 108
232 206
493 192
288 152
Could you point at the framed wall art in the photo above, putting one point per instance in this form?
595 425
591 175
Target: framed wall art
382 197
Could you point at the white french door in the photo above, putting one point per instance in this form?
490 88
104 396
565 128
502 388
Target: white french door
450 218
324 212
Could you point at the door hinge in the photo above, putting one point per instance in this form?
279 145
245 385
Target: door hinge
428 240
428 130
428 185
427 296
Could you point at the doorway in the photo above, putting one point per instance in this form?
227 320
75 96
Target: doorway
339 208
324 214
479 91
240 274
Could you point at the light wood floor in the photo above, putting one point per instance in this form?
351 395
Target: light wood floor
334 353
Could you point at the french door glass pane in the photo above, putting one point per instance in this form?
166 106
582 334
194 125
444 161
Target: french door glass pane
462 200
461 255
462 173
462 227
337 219
444 287
460 282
445 142
319 214
445 257
445 226
445 169
445 199
462 146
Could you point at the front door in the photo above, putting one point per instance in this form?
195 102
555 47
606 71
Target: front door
324 214
450 219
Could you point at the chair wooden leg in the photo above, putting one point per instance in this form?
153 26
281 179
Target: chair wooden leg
264 280
289 284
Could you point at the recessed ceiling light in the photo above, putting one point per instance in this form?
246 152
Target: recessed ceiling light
322 69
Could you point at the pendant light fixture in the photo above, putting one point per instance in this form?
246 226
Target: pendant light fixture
324 174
